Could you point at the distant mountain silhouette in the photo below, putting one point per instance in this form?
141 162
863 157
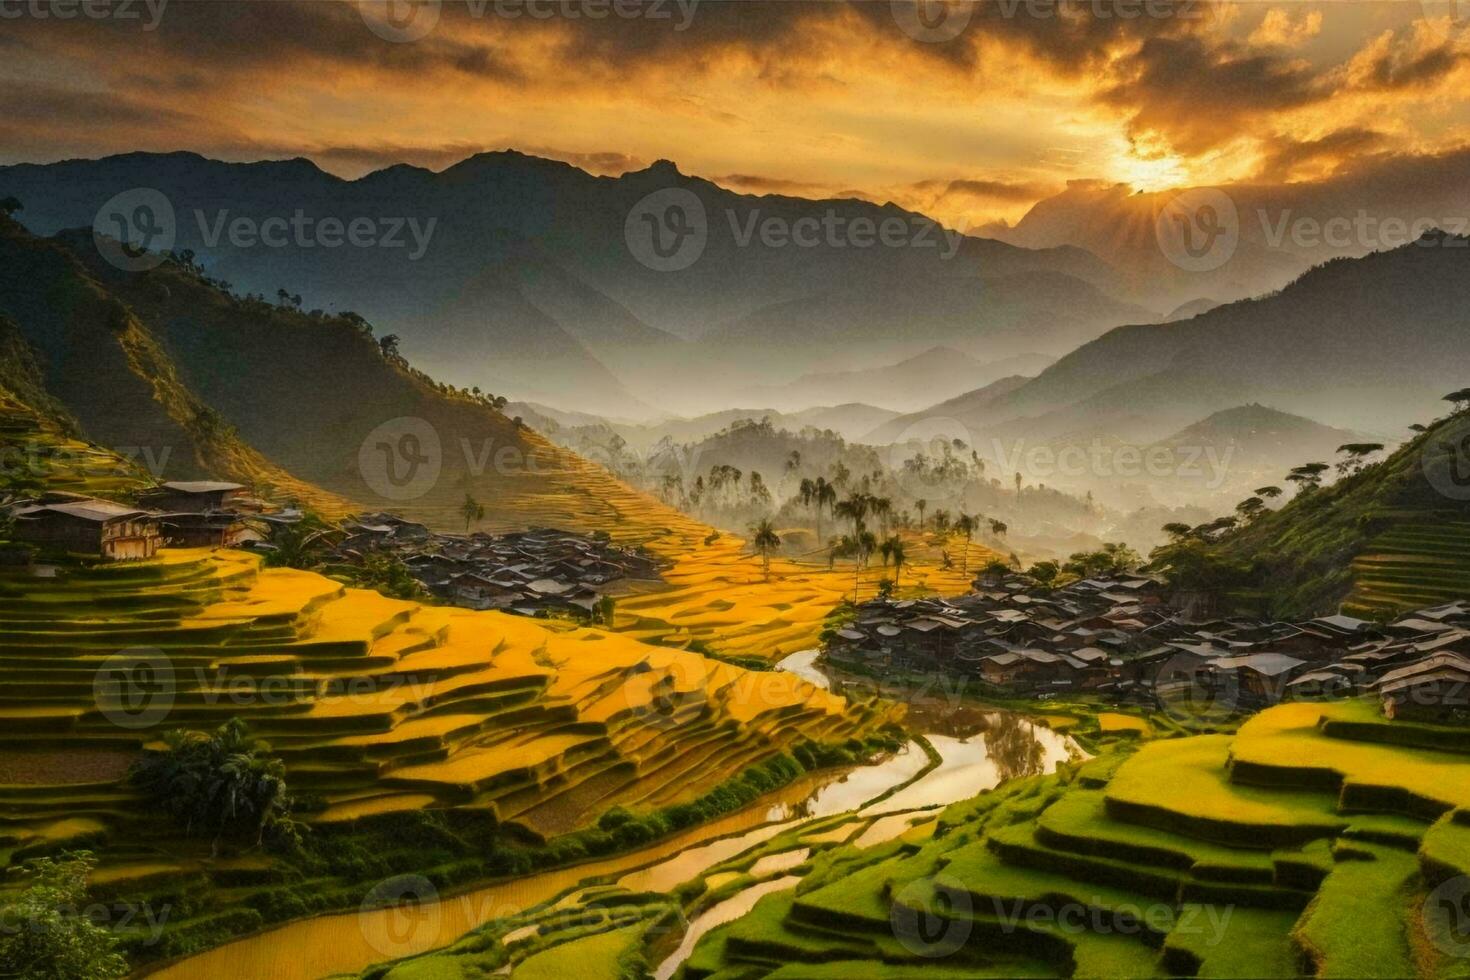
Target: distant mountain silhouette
1368 344
911 383
528 261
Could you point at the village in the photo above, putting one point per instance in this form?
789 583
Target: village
539 572
1119 639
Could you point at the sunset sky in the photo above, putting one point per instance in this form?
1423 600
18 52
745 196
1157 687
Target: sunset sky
808 98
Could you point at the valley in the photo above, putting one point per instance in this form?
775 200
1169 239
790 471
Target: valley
734 491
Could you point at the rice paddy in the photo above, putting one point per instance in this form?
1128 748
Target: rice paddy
1180 857
378 707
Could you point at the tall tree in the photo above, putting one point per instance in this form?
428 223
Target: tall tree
966 525
766 540
472 511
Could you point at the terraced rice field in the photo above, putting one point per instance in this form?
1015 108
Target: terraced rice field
1413 565
718 599
375 705
37 453
1286 850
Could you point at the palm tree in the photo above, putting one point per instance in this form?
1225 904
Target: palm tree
966 525
998 528
855 509
766 541
860 546
1355 454
471 510
882 508
896 554
921 505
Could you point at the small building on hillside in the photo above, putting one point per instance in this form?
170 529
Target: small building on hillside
206 530
95 528
1436 688
1260 678
200 496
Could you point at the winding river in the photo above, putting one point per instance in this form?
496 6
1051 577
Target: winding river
978 748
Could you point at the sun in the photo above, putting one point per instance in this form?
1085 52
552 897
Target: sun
1150 173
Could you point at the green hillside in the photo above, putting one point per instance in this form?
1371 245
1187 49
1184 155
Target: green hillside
1391 538
82 355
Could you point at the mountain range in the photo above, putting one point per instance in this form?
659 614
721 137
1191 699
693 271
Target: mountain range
525 276
1368 344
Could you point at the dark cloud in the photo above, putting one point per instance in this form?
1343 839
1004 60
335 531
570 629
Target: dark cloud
1285 155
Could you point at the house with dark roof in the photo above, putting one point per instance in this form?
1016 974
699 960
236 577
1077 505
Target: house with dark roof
89 527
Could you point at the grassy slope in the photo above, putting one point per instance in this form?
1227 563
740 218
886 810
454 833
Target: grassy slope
1382 541
98 359
1177 832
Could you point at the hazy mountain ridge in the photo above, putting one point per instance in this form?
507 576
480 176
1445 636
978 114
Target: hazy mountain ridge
1367 344
542 243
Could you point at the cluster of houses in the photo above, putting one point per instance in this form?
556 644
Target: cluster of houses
180 514
1118 637
532 573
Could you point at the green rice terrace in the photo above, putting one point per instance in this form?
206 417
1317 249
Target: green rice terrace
518 734
1315 841
1422 561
